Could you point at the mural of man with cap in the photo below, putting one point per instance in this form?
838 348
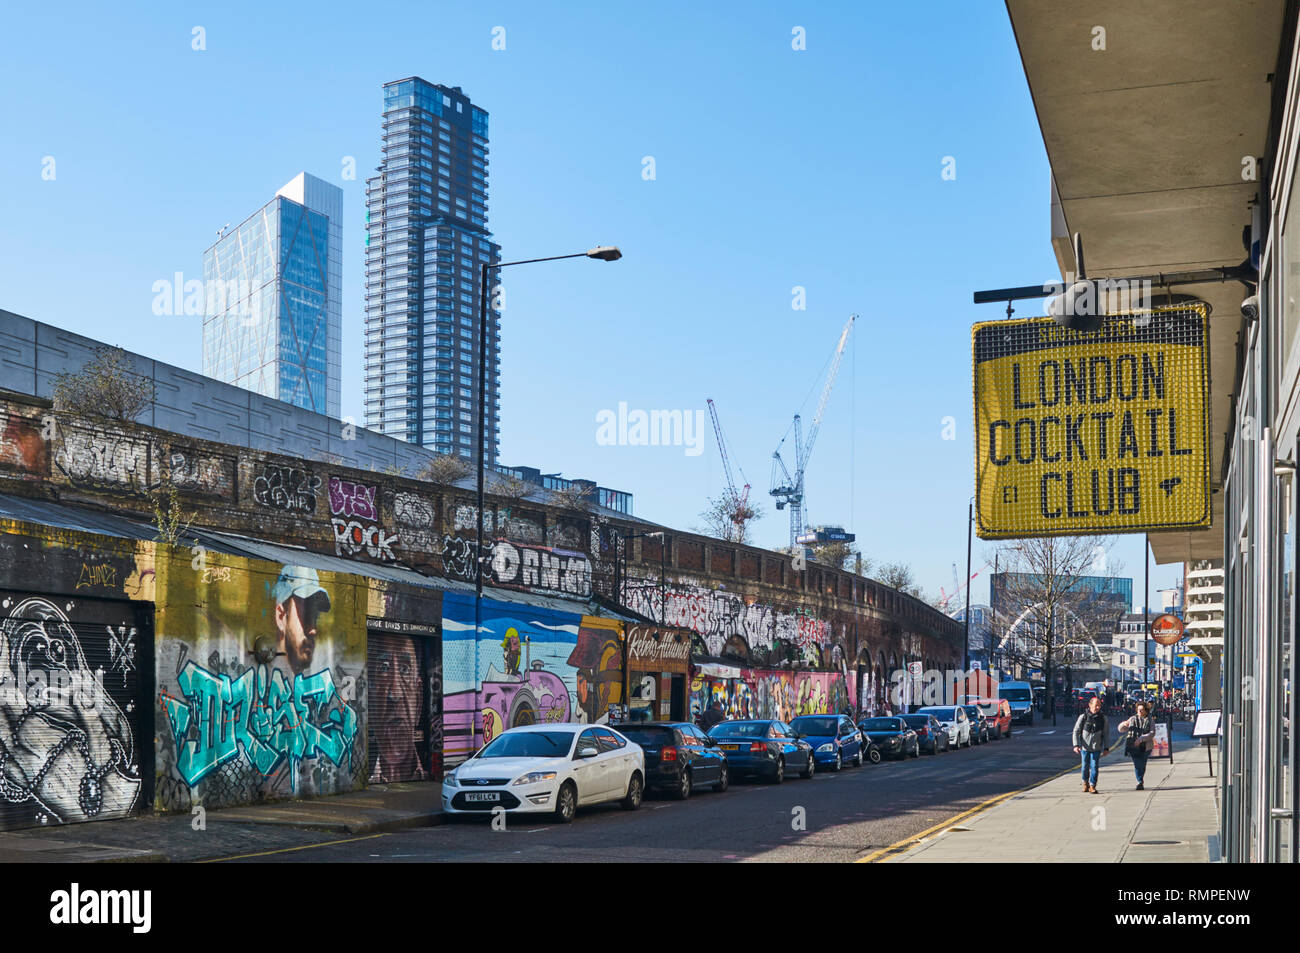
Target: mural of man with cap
299 599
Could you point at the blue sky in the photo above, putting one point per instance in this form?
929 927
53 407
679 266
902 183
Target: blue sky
774 168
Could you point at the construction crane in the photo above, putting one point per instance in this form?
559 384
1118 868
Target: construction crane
789 489
945 599
736 501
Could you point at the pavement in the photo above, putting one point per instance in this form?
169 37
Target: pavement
279 827
1174 820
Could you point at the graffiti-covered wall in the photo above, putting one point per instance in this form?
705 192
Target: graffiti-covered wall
260 675
768 694
529 665
75 621
70 725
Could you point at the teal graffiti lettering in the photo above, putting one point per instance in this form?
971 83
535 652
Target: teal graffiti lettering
268 720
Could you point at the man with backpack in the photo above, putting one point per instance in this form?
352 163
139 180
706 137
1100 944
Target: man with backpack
1090 734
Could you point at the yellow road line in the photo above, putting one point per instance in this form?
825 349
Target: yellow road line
900 846
286 850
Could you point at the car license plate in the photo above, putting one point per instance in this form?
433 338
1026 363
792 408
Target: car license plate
482 796
729 747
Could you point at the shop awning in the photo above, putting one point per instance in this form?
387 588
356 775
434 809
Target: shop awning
717 670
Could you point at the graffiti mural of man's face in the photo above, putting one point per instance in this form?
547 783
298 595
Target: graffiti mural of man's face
395 707
295 622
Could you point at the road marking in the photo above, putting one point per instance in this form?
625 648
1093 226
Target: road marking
287 850
907 842
1050 731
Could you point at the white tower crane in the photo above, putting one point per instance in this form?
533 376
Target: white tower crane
789 490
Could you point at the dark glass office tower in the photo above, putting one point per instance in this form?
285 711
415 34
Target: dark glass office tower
426 240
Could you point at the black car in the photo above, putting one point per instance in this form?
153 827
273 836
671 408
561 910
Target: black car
893 736
765 748
930 733
678 757
979 724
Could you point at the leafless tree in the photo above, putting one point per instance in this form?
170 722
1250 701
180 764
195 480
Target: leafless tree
446 469
104 387
840 555
729 516
572 497
899 576
510 487
1045 609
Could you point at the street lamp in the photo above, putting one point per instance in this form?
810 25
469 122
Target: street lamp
600 253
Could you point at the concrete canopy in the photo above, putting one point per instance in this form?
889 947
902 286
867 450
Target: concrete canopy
1146 140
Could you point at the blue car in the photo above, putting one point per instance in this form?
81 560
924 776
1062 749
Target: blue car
835 739
766 749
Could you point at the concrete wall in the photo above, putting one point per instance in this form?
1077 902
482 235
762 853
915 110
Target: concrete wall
32 354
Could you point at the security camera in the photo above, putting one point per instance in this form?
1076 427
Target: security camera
1250 308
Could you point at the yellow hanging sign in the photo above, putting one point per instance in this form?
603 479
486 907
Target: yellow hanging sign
1092 432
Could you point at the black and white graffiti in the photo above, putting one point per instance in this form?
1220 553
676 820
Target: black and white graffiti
286 488
67 749
534 568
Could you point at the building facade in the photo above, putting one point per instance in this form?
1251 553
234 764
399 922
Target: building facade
272 320
1082 622
1229 204
427 241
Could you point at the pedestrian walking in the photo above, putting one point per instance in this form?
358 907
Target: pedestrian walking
712 717
1141 730
1090 734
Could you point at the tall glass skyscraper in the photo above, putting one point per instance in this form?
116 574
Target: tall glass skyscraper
273 316
426 241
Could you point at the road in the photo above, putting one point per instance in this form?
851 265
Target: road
847 816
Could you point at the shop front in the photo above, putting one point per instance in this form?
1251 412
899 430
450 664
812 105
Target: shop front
658 663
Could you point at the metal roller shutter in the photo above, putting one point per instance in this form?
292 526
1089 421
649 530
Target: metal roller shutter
71 697
403 712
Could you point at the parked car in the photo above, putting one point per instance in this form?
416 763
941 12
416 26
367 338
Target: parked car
767 749
835 739
998 713
1021 698
954 720
930 733
979 725
552 767
892 734
678 757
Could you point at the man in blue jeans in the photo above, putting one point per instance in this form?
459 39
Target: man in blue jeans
1090 734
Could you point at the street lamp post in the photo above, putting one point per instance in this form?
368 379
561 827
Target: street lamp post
599 253
970 526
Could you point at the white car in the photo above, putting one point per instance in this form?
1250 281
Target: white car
548 768
954 719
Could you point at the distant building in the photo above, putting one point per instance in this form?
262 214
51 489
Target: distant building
272 320
427 241
1019 631
981 631
617 500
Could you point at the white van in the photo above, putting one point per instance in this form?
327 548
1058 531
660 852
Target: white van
1021 697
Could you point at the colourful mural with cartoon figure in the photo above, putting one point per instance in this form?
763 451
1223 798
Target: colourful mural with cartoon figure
517 672
260 672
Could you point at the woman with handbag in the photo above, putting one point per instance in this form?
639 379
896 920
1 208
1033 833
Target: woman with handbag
1141 729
